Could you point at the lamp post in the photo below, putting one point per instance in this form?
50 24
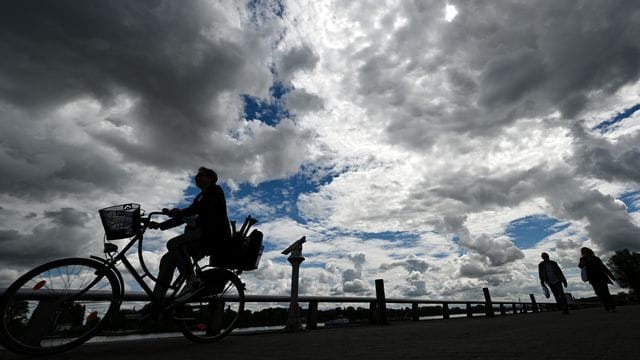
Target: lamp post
295 258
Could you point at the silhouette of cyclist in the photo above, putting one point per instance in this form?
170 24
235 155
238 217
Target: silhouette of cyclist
207 232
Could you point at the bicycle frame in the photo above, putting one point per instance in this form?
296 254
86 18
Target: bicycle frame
121 257
207 314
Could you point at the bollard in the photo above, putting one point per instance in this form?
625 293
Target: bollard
415 312
488 307
445 310
534 305
373 313
502 312
295 258
514 309
469 310
381 302
312 316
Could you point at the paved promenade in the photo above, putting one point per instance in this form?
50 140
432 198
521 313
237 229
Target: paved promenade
584 334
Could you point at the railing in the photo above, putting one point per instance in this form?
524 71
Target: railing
377 304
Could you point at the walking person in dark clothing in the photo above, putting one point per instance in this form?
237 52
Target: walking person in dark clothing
550 273
599 276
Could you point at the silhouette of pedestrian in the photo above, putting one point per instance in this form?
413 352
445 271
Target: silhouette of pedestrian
550 273
599 276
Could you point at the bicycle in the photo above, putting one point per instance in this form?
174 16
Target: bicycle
63 303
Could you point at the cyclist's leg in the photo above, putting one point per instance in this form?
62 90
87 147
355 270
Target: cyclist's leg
181 247
165 275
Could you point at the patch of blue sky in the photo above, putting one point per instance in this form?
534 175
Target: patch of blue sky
269 111
456 239
258 9
632 200
609 125
395 238
280 196
528 231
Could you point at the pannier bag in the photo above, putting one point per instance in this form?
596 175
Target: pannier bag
251 251
120 221
244 251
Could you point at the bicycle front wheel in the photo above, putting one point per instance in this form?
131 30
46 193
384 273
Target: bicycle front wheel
57 306
215 313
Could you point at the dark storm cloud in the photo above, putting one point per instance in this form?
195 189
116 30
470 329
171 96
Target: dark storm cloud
608 223
495 63
476 267
411 263
300 101
297 58
63 233
40 169
476 192
611 161
167 56
548 52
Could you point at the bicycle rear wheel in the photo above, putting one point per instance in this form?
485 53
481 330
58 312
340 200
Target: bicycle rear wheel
57 306
215 313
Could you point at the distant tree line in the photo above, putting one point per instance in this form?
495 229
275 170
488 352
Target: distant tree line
626 267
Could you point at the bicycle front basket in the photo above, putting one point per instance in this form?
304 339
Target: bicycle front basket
121 221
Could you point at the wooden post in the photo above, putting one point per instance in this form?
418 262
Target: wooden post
445 311
488 305
312 315
39 321
469 310
373 313
534 304
381 302
415 312
502 312
215 323
514 308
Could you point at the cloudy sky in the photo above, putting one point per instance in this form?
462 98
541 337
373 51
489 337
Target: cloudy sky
440 146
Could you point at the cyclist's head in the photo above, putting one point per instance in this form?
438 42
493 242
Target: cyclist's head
205 177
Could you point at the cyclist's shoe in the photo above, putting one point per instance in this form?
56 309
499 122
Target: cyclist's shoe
190 290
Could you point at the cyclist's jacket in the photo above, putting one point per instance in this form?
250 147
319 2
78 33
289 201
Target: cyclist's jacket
209 208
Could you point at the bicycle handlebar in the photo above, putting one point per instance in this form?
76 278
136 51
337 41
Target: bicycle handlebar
146 219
